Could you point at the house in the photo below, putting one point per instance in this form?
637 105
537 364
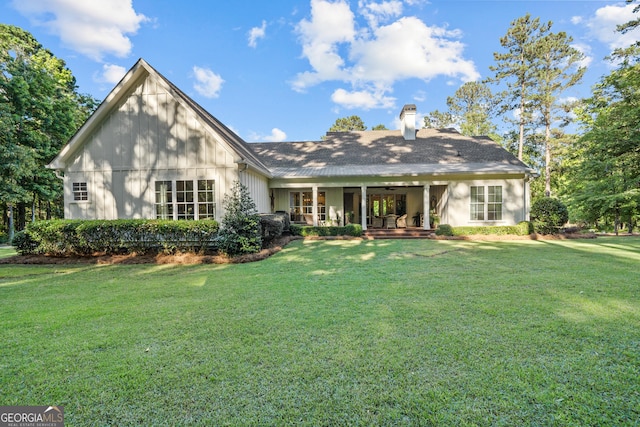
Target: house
150 151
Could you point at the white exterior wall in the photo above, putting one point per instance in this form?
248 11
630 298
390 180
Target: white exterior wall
458 210
148 137
258 187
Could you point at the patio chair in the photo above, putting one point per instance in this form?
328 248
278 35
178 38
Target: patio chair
391 221
376 222
308 218
401 222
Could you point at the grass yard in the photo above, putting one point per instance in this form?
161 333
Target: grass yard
352 332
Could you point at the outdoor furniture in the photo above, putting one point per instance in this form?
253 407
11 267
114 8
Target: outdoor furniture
401 222
390 221
376 222
308 218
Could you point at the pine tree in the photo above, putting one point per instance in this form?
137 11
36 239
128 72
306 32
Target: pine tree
555 70
240 229
515 68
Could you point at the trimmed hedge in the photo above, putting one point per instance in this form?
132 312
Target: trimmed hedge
354 230
523 228
85 237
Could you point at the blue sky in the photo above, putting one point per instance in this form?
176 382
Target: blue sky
286 70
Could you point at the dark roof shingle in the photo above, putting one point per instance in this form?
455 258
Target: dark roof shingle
388 150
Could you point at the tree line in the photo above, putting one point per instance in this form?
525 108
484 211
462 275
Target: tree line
596 171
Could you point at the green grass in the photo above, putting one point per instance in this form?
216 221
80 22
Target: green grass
334 333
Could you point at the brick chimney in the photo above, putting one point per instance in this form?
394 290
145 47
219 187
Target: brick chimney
408 122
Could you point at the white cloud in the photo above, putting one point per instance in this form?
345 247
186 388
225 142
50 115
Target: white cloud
603 25
363 99
208 83
330 25
276 135
111 74
257 33
377 12
374 58
408 48
92 28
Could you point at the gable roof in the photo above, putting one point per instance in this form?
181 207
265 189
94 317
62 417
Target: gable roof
387 153
140 70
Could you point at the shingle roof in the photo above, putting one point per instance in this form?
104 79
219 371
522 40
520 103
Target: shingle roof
366 153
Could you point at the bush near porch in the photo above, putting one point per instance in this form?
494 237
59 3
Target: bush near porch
353 230
523 228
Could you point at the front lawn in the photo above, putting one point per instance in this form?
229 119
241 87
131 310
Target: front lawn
349 332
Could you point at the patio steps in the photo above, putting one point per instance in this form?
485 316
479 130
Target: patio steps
396 233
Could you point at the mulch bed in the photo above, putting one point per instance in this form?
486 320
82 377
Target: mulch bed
178 258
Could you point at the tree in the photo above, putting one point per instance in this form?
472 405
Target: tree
515 68
348 124
39 111
379 127
240 231
472 107
555 70
439 120
606 173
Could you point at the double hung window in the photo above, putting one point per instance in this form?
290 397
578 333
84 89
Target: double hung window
486 203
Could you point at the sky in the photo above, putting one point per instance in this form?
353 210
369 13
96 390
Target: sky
286 70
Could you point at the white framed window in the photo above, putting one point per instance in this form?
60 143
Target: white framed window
301 203
486 203
185 199
80 192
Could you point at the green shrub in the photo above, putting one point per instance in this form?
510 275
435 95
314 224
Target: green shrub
23 243
548 215
85 237
240 232
444 230
523 228
271 226
354 230
295 229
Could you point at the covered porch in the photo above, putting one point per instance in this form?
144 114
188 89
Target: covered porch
371 206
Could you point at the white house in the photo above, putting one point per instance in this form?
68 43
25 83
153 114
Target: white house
150 151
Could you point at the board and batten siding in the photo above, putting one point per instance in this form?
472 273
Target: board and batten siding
149 136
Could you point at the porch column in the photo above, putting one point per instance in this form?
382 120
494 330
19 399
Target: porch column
527 201
314 209
363 207
426 207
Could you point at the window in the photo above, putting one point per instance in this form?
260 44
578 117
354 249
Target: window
301 203
206 205
164 200
185 199
494 203
486 206
80 192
